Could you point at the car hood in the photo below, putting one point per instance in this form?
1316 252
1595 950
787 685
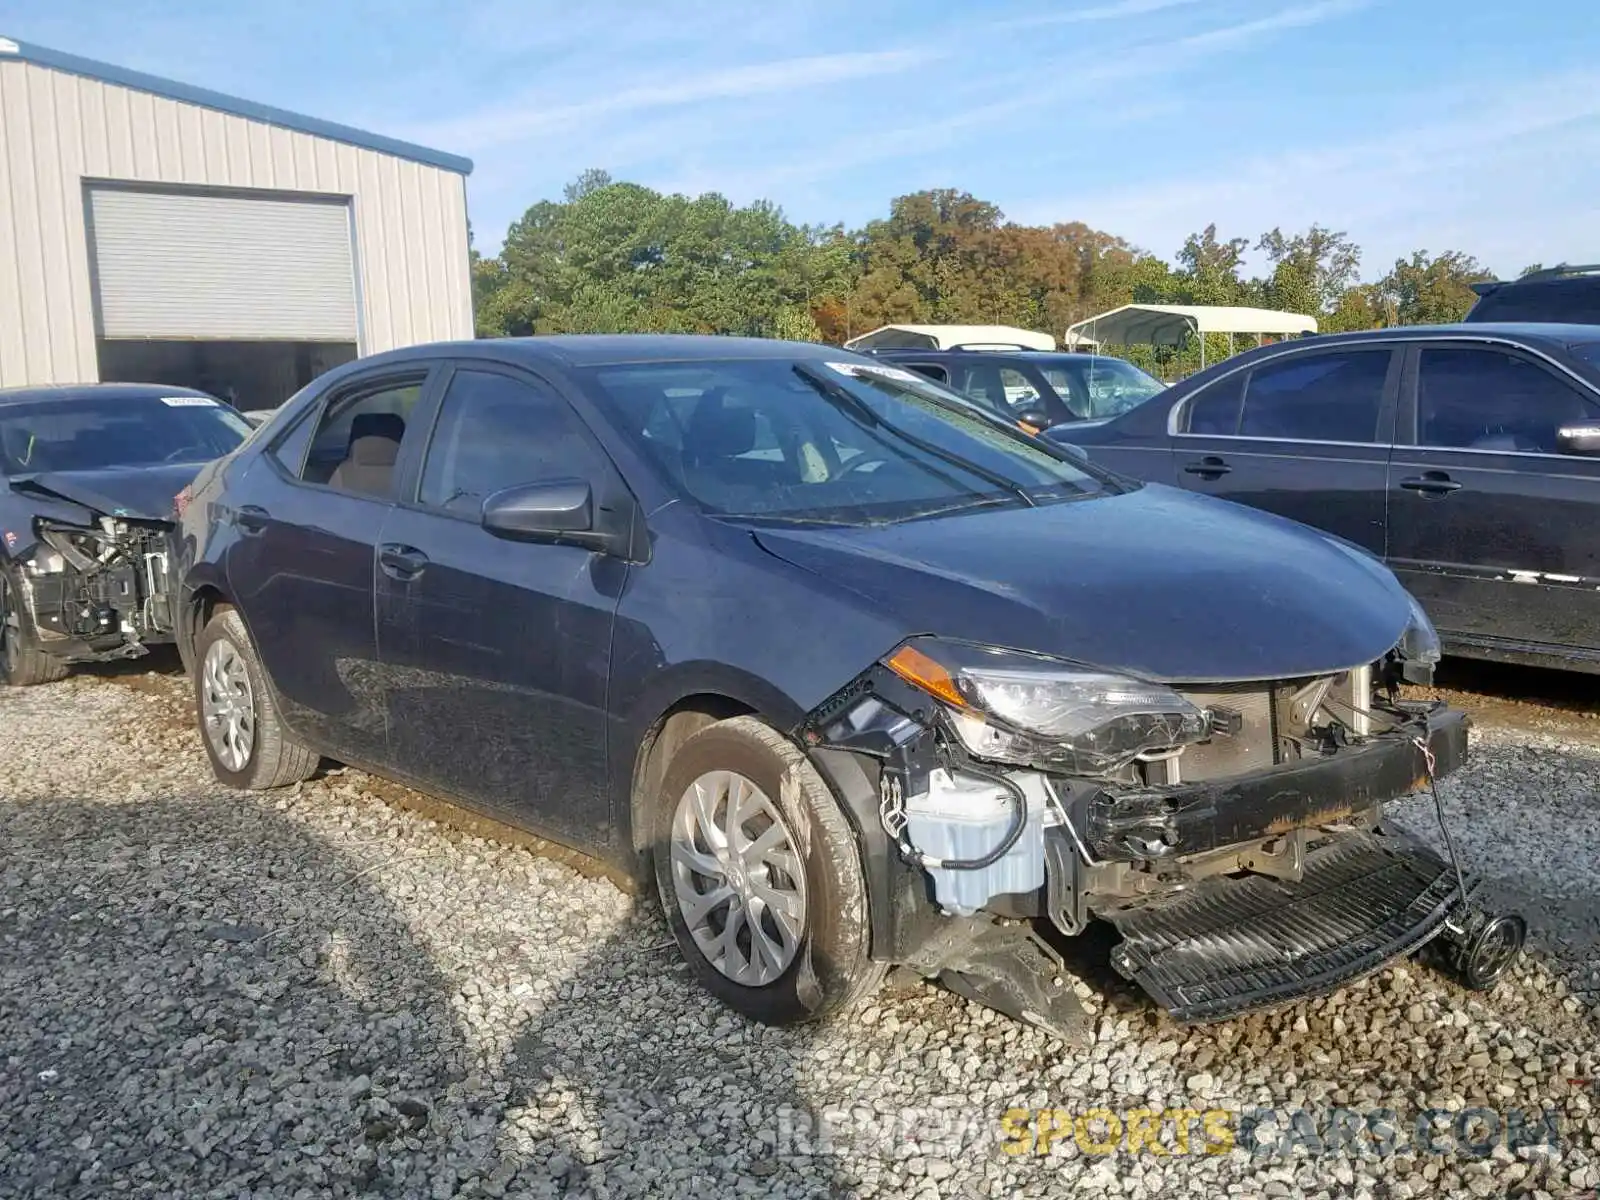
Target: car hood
1154 582
140 493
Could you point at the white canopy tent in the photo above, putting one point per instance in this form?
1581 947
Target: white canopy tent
948 337
1169 324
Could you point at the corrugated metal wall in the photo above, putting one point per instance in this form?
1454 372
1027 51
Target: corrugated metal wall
58 129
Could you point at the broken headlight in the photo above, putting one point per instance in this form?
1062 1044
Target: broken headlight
1419 647
1016 707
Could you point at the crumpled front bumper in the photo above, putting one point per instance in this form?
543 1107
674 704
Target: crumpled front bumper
1194 818
1364 896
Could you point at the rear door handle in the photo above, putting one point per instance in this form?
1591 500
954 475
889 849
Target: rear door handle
251 518
1431 483
1209 467
401 562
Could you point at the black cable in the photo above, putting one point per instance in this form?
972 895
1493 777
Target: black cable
1433 787
1019 822
1444 826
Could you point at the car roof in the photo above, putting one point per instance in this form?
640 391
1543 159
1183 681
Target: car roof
606 349
37 393
975 352
1538 333
1585 275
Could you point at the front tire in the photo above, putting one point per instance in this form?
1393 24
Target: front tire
22 663
240 727
760 877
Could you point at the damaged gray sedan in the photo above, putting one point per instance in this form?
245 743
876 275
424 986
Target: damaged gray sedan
88 478
853 672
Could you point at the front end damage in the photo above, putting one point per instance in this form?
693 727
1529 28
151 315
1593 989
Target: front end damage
1232 834
96 592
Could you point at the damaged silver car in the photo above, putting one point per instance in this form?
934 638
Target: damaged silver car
89 475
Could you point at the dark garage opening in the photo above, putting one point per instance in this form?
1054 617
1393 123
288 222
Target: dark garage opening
250 375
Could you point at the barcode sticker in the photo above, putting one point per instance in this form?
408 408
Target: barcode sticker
857 370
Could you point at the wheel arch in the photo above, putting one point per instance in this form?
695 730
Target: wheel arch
852 780
662 737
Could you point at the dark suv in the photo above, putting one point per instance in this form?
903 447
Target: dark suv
1561 295
857 673
1035 387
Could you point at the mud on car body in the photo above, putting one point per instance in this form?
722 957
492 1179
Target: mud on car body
853 672
88 477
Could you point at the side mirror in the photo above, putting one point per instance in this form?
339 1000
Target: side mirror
562 511
1033 414
1579 439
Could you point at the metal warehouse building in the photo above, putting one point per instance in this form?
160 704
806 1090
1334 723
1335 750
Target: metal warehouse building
160 233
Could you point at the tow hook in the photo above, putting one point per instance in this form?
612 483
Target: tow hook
1481 948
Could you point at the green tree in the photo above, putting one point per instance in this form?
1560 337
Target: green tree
1360 306
1311 270
796 324
1426 290
614 256
1208 269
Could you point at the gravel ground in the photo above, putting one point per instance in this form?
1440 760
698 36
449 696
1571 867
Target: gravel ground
320 993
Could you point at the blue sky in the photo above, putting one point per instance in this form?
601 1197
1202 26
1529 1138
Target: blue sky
1435 124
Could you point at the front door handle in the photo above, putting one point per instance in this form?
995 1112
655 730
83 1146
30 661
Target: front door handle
1209 467
401 562
1431 483
251 518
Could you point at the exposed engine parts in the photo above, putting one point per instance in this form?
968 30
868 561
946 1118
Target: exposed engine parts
98 592
1246 863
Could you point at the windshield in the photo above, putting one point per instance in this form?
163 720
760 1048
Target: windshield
92 432
1096 388
839 442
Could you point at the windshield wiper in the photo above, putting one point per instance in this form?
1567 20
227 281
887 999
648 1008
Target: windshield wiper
846 401
967 505
789 519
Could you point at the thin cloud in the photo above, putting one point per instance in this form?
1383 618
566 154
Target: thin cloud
531 115
1298 17
1102 12
1387 191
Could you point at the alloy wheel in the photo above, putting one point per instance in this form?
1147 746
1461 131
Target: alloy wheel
228 705
738 880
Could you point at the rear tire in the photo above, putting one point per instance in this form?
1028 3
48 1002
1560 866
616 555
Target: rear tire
240 726
22 663
747 834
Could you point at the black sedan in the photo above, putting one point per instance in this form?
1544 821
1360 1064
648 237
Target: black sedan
88 477
1467 457
858 672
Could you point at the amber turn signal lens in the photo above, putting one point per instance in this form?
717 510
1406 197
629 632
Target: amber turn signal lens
917 668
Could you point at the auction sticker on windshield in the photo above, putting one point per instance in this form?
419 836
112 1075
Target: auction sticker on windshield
857 370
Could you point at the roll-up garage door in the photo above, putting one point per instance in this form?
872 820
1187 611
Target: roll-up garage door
193 265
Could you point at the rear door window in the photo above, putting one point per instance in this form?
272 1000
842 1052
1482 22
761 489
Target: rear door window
1214 409
1317 397
356 443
